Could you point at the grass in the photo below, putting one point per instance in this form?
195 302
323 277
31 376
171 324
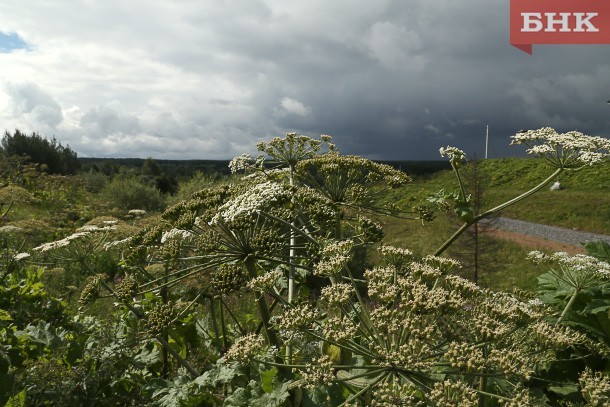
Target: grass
582 204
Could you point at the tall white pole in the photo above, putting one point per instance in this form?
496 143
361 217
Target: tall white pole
486 141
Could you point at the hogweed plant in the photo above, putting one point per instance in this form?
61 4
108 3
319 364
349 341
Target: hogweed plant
561 151
284 313
407 331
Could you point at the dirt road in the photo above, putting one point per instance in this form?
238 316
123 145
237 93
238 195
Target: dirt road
543 237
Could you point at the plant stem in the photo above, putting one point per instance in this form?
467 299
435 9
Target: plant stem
569 304
460 183
498 208
292 255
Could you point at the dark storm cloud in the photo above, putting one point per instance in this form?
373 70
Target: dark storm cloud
388 79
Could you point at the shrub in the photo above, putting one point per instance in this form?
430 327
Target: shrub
129 193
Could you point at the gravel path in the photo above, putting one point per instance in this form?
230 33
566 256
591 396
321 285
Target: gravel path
554 233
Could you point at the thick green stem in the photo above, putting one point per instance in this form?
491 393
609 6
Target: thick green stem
498 208
223 327
460 183
292 255
569 304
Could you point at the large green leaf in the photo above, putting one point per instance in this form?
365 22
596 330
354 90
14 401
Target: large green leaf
599 250
267 378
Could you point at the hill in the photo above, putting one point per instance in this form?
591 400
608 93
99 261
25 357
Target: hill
583 202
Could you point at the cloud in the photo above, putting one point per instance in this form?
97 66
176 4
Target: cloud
209 79
33 105
394 46
295 107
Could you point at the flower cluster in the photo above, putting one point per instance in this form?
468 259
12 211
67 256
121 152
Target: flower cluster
465 356
293 148
45 247
512 362
179 234
337 294
296 317
128 287
556 336
414 354
349 180
21 256
335 256
245 347
137 212
390 394
114 243
160 318
579 263
10 229
91 289
95 228
456 393
228 278
444 264
396 256
580 271
520 398
319 371
564 150
255 199
339 329
240 163
455 155
595 388
266 281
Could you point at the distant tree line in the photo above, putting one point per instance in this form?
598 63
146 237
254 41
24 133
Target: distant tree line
165 175
58 159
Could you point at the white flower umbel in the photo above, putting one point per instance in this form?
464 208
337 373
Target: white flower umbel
114 243
175 234
21 256
94 228
60 243
455 155
240 163
257 198
564 150
579 263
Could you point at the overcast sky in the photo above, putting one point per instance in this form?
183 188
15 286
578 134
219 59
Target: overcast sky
208 79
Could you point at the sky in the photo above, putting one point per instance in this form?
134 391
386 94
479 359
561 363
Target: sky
192 79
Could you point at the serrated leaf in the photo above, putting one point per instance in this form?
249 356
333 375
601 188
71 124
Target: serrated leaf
599 250
267 380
